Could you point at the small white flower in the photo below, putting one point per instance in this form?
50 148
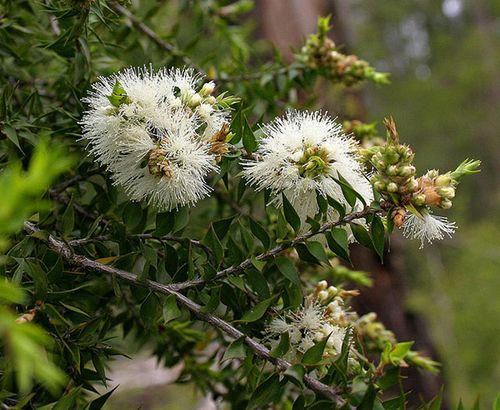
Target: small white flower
138 116
427 228
312 323
299 155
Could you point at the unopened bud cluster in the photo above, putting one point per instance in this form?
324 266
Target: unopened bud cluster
374 333
435 190
394 174
313 162
195 99
320 53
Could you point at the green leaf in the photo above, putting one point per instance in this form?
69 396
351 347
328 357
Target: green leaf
304 254
361 235
236 350
349 193
181 219
283 346
257 311
149 310
322 203
435 404
291 215
260 233
338 243
39 277
378 235
132 216
170 309
68 401
98 403
164 223
399 352
249 141
295 374
68 219
221 227
314 355
118 95
299 403
287 268
337 206
314 224
496 404
267 392
368 402
11 135
318 251
214 300
212 241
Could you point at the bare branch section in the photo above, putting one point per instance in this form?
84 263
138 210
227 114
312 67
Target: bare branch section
258 349
275 251
148 32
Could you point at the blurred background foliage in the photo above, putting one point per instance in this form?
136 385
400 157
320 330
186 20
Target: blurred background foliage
443 57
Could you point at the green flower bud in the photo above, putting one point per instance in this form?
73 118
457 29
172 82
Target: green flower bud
391 156
443 180
412 184
446 204
207 89
447 192
379 186
419 199
392 187
432 174
407 171
392 170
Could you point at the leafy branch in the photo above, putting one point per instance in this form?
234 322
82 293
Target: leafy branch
258 349
276 250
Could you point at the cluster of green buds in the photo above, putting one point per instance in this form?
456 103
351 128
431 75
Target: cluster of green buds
435 189
394 175
313 163
194 99
320 53
374 334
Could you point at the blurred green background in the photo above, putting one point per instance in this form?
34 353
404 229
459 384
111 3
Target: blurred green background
444 57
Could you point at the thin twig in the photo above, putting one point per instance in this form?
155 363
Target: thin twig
148 32
166 238
258 349
275 251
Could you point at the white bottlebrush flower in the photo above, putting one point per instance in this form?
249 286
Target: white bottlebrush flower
152 131
300 155
167 170
427 228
